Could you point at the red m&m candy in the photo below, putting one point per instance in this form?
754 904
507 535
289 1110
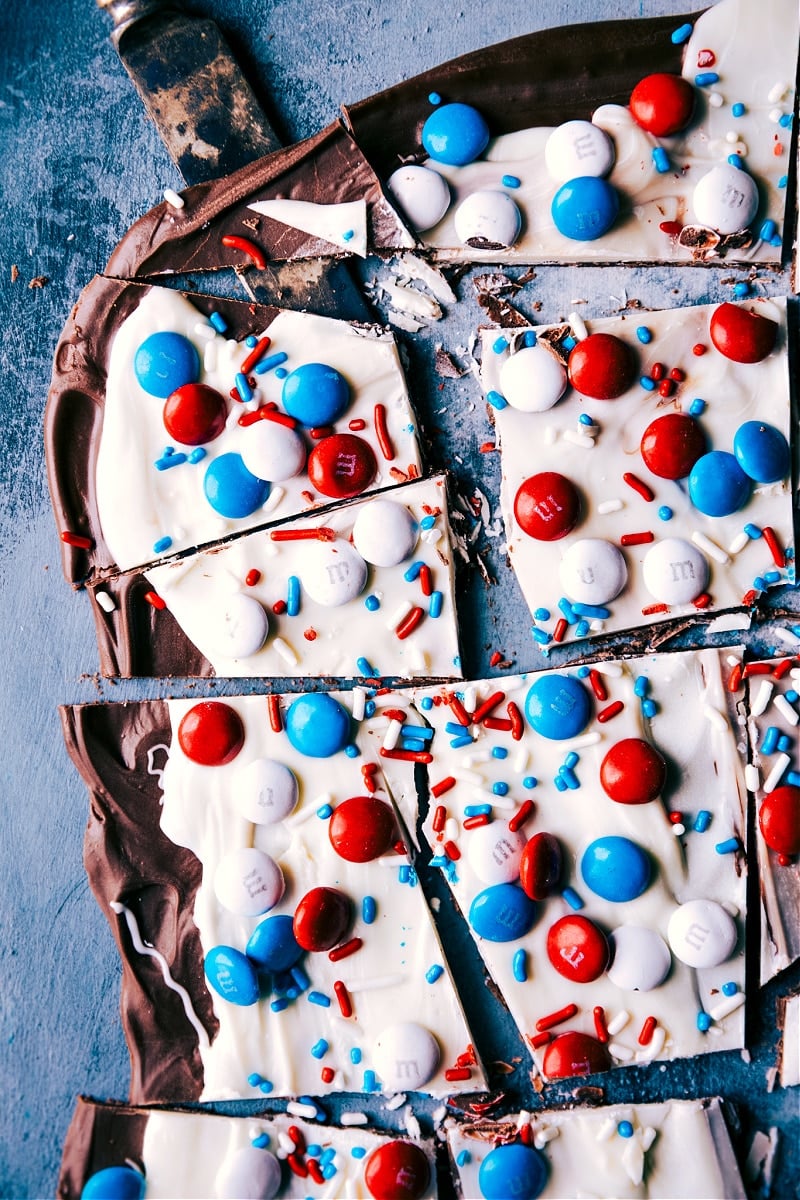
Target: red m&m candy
662 104
397 1171
195 413
361 829
779 820
742 335
322 919
672 444
547 506
633 772
575 1054
577 949
342 465
540 866
211 733
602 366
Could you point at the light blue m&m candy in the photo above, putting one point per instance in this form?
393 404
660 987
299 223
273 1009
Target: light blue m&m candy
761 451
615 868
165 362
317 725
513 1172
315 394
273 946
558 707
456 134
585 208
230 488
502 913
114 1183
232 975
717 484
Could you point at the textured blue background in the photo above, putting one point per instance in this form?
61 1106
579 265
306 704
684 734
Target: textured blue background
78 163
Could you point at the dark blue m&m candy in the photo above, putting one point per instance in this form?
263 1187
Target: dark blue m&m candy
315 394
230 488
273 946
164 362
558 707
455 134
585 208
512 1172
761 451
317 725
502 913
616 868
114 1183
717 484
232 975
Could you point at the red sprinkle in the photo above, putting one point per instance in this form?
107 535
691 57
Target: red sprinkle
501 723
279 608
671 228
556 1018
274 710
652 609
321 431
425 580
675 817
394 714
526 1135
488 706
495 659
247 247
735 678
784 860
320 533
76 540
467 1059
256 354
702 601
310 634
327 1074
540 1039
560 630
296 1165
698 350
658 371
636 539
757 668
666 387
370 784
677 374
315 1171
598 685
153 598
345 950
382 432
487 447
783 668
343 996
457 709
252 577
456 1074
357 424
600 1027
439 818
476 822
297 1137
409 623
778 557
648 1029
612 710
515 716
706 58
520 816
444 785
452 851
749 597
416 756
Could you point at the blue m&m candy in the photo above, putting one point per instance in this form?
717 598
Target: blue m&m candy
513 1170
502 913
315 394
165 362
615 868
230 488
558 707
717 484
585 208
456 134
761 451
232 975
114 1183
317 725
273 946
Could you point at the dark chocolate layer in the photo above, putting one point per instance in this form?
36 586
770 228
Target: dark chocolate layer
128 859
138 639
99 1136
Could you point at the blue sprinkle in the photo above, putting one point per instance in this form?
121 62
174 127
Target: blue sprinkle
358 1152
785 121
369 1081
270 362
572 760
542 614
530 782
753 532
540 635
313 1151
417 731
793 778
324 811
729 846
300 976
499 752
368 910
329 1170
464 740
647 383
477 810
561 785
266 1086
644 335
529 338
738 109
243 388
168 460
760 583
681 34
439 860
426 703
251 341
292 596
625 1129
665 513
355 1056
325 1156
319 1049
585 419
583 672
453 728
783 181
500 788
784 744
706 78
568 611
729 989
435 605
777 240
433 973
365 667
735 160
570 778
434 98
279 1005
697 407
641 686
496 400
772 576
571 897
352 751
218 321
649 709
348 235
254 1080
595 612
569 343
281 373
413 571
319 998
792 696
767 231
162 544
261 1141
404 874
703 1022
427 522
197 455
372 604
500 345
702 821
741 289
581 629
369 708
511 181
519 966
660 160
463 1158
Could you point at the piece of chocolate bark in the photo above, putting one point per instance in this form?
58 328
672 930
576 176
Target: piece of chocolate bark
273 936
621 141
157 441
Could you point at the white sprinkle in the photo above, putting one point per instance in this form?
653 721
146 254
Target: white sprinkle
105 601
731 136
715 99
606 1129
210 356
711 548
777 92
726 1006
377 981
752 777
431 536
788 713
296 1109
271 503
586 739
392 736
438 1115
482 756
354 1118
418 661
359 703
649 1135
396 1101
609 506
653 1047
732 660
739 542
519 762
618 1023
285 652
465 776
776 774
399 614
775 115
762 698
620 1052
679 829
523 1119
204 331
578 439
543 1136
714 1031
412 1124
451 829
578 326
786 636
285 1143
715 717
172 197
550 435
308 810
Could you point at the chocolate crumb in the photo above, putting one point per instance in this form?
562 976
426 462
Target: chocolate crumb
39 281
14 272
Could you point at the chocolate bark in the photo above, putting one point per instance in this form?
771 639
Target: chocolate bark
99 1136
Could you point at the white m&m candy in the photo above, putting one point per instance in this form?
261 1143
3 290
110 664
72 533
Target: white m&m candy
248 1174
273 451
241 628
422 194
578 148
701 933
333 573
532 380
593 571
488 220
265 791
674 571
406 1056
248 882
642 959
494 852
726 199
384 533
